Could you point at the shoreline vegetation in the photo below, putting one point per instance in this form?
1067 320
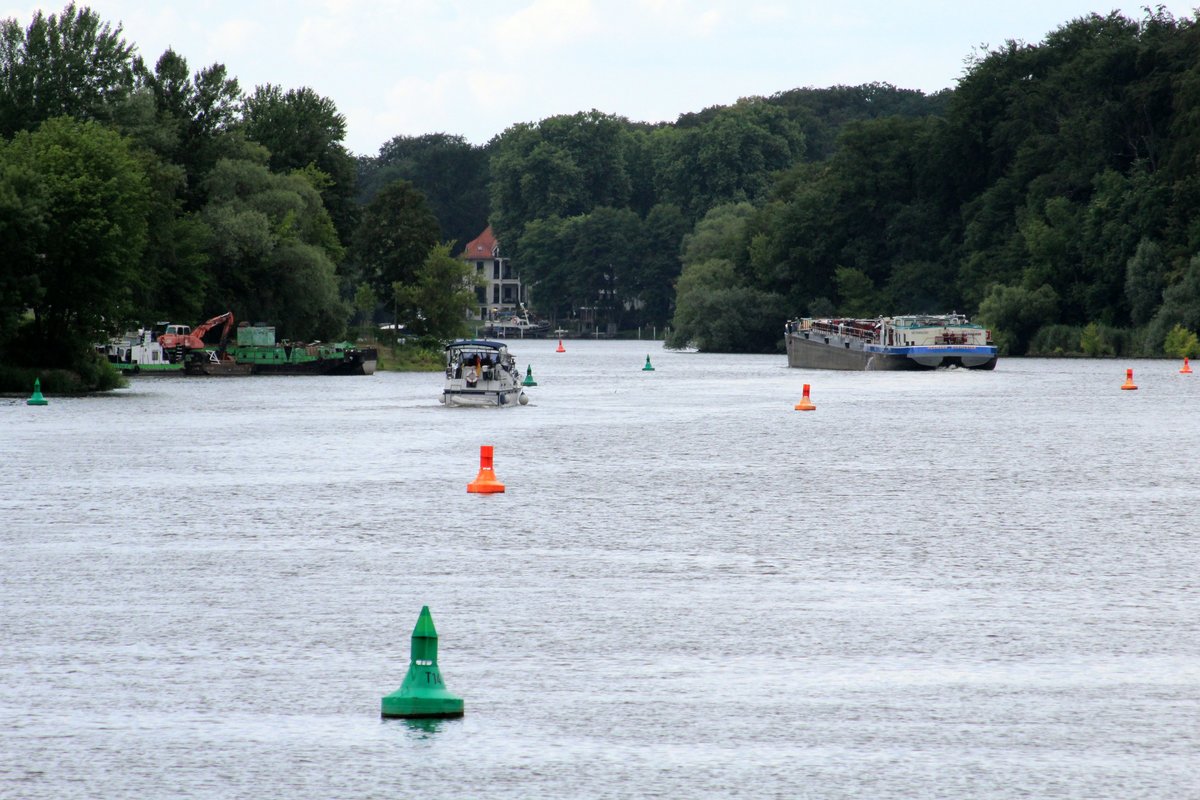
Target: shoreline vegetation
426 355
1052 195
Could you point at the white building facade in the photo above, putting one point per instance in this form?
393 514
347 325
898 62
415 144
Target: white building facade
501 294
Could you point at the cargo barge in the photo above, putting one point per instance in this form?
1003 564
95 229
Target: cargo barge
257 353
914 342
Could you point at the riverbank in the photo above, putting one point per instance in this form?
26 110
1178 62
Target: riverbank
407 357
18 380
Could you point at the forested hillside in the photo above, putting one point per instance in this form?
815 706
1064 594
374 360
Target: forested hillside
1054 194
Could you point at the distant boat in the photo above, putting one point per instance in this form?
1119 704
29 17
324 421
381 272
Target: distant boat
481 372
913 342
139 353
522 325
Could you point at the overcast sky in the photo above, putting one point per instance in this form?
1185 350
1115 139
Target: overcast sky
474 68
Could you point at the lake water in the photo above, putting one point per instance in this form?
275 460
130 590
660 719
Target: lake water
937 585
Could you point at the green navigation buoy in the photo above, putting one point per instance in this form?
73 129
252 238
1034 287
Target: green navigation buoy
36 398
529 381
647 368
423 694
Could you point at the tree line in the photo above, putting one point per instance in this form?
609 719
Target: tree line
1053 194
131 193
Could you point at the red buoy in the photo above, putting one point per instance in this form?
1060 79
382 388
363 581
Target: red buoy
805 403
485 482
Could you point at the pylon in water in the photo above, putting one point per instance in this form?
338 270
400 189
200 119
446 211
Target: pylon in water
485 482
1187 368
529 381
1129 384
560 349
805 403
423 693
648 367
36 398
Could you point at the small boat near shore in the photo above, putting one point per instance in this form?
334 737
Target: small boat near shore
481 372
912 342
522 325
140 353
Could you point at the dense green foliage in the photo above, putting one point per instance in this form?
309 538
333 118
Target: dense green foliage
130 195
452 174
437 297
1054 194
397 232
1056 186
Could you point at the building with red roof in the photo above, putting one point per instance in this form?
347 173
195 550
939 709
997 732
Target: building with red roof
501 294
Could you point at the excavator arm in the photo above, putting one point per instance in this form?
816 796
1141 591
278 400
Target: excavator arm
195 339
204 328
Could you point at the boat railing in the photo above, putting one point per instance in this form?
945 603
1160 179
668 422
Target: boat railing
867 330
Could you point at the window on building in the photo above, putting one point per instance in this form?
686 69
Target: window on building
508 294
496 293
479 266
496 270
508 271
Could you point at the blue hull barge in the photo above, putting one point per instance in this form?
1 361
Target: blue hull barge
916 342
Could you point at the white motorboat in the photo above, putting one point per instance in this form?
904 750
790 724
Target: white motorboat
481 372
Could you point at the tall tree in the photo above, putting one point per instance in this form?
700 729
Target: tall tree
436 301
300 127
715 310
272 250
653 280
448 170
85 202
563 166
730 159
394 237
196 115
72 64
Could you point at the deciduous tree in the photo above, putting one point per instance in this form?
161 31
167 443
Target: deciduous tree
394 236
83 205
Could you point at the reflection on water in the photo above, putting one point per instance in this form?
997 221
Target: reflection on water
951 584
419 728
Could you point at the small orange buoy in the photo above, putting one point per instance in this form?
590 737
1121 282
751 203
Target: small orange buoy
1129 384
485 482
1187 368
560 347
805 404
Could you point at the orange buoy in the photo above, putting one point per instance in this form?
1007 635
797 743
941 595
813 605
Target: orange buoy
1187 368
805 404
1129 384
485 482
560 347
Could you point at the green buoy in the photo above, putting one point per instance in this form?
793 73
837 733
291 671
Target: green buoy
423 694
529 381
647 368
36 398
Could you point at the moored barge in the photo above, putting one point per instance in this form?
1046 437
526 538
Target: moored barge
256 352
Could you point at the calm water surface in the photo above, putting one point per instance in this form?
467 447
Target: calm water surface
937 585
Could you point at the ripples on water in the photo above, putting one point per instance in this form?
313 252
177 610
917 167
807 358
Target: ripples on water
937 585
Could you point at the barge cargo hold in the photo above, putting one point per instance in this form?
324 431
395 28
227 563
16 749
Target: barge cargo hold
914 342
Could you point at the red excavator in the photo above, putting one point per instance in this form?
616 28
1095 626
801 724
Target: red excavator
183 336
